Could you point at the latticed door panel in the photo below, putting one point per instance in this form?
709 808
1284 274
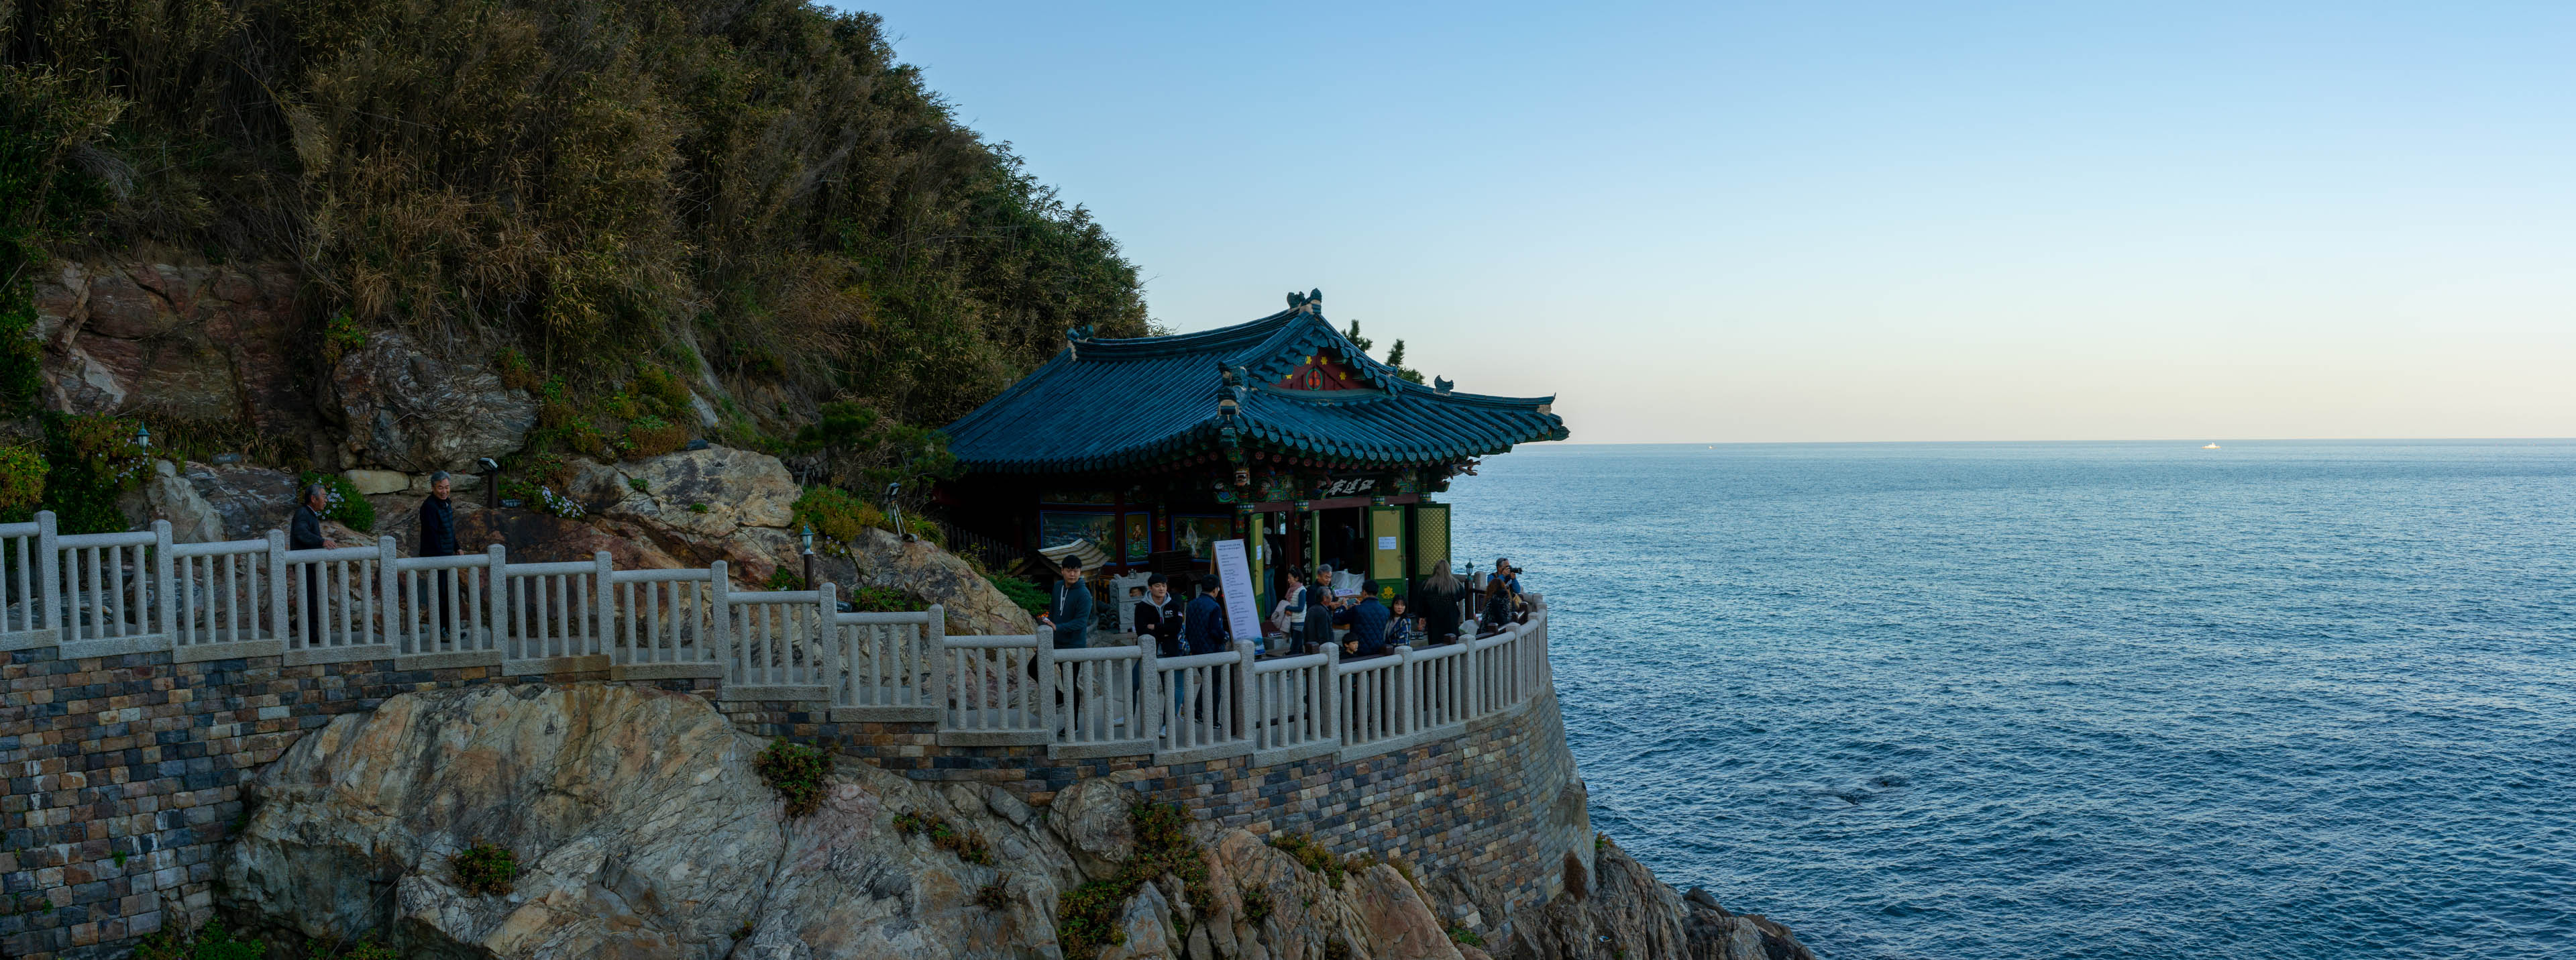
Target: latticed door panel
1430 536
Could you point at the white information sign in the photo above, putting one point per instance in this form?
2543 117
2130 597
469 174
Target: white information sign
1386 543
1235 573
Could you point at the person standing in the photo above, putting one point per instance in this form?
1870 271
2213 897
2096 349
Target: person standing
1436 601
1367 622
1289 615
1509 575
438 539
1158 617
1319 619
1203 630
304 532
1069 608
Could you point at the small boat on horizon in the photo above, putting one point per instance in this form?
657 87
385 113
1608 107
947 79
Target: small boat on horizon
2212 446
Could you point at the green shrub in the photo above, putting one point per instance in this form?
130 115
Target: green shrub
340 334
639 484
211 942
346 505
485 869
1025 594
886 600
22 481
662 392
786 579
837 514
1087 915
1315 858
968 845
796 771
697 508
1256 905
995 896
651 436
1458 933
515 372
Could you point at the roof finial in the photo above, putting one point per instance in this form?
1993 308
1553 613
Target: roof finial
1441 384
1073 338
1306 302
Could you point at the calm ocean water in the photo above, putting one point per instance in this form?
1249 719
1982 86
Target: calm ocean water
2281 700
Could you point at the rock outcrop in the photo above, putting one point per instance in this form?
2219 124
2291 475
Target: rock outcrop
640 829
169 332
192 519
412 411
973 604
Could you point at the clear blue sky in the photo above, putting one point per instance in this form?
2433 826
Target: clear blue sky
1704 223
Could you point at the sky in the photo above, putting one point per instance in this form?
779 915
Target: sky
1842 222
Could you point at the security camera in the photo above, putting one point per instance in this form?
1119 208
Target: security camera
488 464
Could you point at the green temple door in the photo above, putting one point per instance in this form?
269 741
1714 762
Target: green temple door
1386 549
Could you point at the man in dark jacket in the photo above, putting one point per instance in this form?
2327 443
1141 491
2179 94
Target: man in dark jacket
304 532
1158 616
1069 608
1203 627
438 539
1319 613
1367 622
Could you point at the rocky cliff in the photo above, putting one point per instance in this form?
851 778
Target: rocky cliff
640 828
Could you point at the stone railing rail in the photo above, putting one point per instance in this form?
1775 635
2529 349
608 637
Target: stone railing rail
112 594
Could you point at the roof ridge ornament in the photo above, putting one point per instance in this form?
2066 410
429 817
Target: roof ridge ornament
1308 302
1073 338
1442 384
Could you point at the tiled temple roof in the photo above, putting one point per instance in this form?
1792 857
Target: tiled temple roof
1113 404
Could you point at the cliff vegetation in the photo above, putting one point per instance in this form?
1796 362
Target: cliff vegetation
625 209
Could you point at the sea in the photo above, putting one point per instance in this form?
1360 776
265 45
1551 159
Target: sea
2283 699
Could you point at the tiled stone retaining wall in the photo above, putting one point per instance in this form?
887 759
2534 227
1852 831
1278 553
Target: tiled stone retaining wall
124 775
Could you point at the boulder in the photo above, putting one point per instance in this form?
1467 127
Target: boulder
192 519
412 411
377 482
1091 818
637 824
1147 927
639 828
974 606
1395 922
703 493
251 501
534 537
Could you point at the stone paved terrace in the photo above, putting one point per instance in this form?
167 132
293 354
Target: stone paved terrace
145 680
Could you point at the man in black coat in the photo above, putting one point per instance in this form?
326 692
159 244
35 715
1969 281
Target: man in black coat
304 532
1158 616
438 539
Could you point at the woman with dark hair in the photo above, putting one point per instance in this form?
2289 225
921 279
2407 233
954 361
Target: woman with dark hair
1436 600
1498 607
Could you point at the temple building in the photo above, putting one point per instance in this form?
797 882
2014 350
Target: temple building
1280 431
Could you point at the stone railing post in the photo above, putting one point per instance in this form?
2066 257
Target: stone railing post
1042 687
1404 686
934 648
278 591
1327 706
720 617
49 570
389 606
1152 703
164 582
603 607
1245 712
827 631
1469 706
498 599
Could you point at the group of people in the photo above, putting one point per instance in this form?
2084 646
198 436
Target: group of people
437 539
1307 618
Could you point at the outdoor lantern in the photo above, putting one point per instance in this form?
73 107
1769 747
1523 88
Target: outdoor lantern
143 436
809 538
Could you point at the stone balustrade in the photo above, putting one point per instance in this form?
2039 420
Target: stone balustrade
114 594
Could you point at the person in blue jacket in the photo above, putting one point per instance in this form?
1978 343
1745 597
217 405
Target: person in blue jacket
1069 608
